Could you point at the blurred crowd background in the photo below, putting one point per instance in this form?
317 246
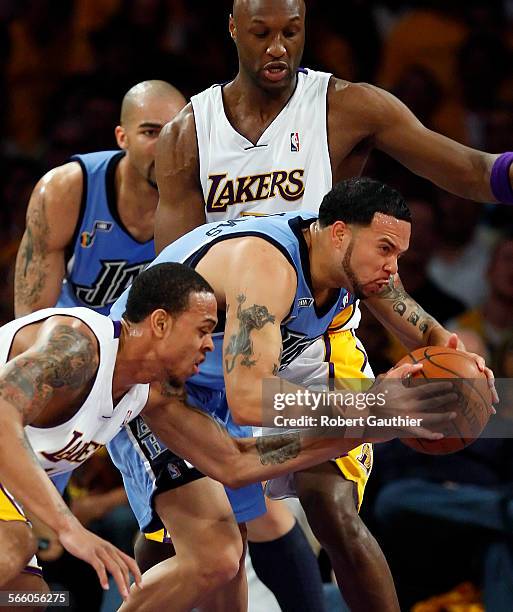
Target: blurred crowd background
64 68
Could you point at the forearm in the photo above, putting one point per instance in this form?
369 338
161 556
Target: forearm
271 456
403 316
38 277
25 478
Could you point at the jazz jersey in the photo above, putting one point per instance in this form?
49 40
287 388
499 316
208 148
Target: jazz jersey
305 322
287 169
104 258
62 448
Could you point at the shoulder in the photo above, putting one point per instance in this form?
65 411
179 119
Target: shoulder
177 146
63 181
368 104
180 127
70 334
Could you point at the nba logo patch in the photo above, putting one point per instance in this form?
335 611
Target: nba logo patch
294 142
173 470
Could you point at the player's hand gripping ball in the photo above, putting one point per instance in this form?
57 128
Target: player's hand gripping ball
472 407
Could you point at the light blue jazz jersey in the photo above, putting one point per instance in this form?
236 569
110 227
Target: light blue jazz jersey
105 258
303 325
305 321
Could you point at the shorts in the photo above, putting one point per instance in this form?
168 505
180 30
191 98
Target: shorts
10 510
149 468
337 360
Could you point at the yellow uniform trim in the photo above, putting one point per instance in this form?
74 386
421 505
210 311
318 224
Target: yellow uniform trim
9 508
346 363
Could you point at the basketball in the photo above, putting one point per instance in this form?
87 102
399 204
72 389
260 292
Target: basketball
471 407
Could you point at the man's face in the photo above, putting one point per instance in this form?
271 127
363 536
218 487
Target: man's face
138 136
270 37
372 253
189 339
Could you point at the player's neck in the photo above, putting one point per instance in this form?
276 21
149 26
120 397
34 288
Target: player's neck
322 286
133 364
136 201
251 98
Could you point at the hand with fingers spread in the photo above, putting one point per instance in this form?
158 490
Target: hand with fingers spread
454 342
418 405
102 555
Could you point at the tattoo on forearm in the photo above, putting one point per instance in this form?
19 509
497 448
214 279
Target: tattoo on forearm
279 448
251 318
404 304
31 265
67 359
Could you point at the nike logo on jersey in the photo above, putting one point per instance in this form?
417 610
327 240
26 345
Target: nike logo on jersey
224 192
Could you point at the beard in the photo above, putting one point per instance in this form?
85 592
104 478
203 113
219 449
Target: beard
357 287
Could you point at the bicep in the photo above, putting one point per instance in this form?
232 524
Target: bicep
256 304
447 163
181 204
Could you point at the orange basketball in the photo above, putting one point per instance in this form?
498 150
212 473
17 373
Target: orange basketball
471 406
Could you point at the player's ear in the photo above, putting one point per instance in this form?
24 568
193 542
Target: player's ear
232 27
339 230
161 322
121 137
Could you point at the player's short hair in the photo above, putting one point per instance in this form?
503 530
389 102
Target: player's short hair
357 200
167 286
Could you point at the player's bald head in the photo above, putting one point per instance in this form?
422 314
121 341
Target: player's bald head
146 92
249 8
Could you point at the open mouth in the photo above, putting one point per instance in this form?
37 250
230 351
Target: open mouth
275 71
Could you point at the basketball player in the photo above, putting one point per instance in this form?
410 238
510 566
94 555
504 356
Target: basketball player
275 139
90 232
265 318
90 221
70 379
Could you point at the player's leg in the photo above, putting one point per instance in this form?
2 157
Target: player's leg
26 581
208 548
234 595
148 551
18 543
19 569
332 493
330 504
284 560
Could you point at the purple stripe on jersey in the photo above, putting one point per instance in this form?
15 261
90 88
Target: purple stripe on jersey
33 570
117 328
303 70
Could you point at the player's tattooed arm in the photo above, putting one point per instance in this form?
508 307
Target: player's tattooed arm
403 316
31 263
195 436
52 215
240 344
66 357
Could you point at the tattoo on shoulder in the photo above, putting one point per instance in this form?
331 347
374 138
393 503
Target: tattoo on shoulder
251 318
31 265
68 359
278 448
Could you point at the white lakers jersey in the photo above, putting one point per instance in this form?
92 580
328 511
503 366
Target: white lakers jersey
62 448
287 169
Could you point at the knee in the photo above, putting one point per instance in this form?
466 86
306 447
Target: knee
219 566
18 546
334 519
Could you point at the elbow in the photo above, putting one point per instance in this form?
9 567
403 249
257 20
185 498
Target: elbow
245 414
